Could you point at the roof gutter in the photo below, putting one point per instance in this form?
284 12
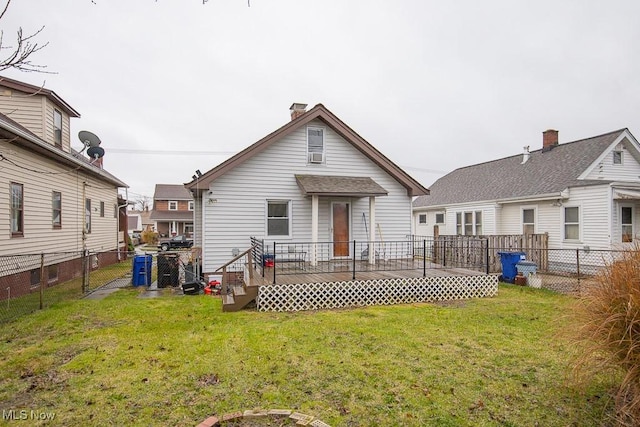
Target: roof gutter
564 194
56 154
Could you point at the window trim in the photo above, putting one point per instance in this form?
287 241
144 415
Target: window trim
20 223
324 145
56 209
523 224
619 157
462 224
57 132
87 216
443 218
289 218
422 218
191 205
622 225
170 202
564 224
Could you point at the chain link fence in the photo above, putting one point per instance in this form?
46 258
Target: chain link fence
34 282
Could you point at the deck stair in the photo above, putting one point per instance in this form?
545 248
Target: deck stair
236 296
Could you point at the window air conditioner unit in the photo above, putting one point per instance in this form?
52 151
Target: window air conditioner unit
316 157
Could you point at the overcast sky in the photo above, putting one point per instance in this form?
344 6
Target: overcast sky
434 85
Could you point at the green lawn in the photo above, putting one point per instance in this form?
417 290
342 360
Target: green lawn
174 360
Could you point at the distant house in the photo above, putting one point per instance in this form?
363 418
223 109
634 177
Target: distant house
172 212
55 199
312 180
584 193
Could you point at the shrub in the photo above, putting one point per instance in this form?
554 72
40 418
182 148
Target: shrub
609 332
149 237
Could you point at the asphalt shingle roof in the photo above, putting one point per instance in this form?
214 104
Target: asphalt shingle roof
339 185
171 192
545 172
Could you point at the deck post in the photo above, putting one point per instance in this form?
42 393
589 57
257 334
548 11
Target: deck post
314 230
424 258
487 256
372 230
354 259
274 262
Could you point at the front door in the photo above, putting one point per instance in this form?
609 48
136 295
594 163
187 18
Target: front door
340 222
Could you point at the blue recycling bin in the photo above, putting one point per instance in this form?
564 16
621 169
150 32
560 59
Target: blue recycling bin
509 261
141 275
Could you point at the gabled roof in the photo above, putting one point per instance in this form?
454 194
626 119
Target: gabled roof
354 186
319 112
171 192
546 172
38 90
21 136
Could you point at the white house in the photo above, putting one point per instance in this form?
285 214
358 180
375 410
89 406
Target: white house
584 194
312 180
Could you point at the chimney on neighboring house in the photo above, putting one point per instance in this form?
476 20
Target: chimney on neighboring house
549 139
297 110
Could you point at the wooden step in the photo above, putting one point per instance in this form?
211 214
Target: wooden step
239 290
228 300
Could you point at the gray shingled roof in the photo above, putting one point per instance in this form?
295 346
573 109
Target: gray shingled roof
172 215
323 185
544 173
171 192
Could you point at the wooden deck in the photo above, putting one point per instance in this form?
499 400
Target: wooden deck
294 275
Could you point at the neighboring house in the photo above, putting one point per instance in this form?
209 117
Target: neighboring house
134 223
55 199
312 180
172 212
141 222
584 194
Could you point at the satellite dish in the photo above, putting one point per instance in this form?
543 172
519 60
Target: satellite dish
95 152
89 139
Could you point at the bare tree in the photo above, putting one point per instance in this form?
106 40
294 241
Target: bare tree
144 203
19 55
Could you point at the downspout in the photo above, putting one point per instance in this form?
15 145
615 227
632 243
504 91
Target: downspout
126 200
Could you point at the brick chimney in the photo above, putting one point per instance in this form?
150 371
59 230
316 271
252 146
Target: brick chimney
549 139
297 110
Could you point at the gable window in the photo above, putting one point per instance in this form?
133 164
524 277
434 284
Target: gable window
191 205
56 209
17 209
278 217
572 223
617 157
57 128
439 218
315 145
528 221
173 205
87 216
102 209
626 220
422 219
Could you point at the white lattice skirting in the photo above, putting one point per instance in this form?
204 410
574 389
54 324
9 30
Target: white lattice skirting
358 293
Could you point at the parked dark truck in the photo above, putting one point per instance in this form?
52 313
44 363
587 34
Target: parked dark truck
175 243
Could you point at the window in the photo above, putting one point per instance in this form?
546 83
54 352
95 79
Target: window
627 224
35 277
617 157
315 145
56 209
52 273
439 218
57 128
278 218
422 218
87 216
468 223
191 205
188 230
173 205
17 209
115 210
101 209
478 223
571 223
528 221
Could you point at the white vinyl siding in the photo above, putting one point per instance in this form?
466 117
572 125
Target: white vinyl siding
39 235
628 170
239 209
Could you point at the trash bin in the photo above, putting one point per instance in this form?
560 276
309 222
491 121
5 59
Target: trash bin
168 270
141 274
526 268
509 261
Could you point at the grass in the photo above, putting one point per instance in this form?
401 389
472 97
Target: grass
176 360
